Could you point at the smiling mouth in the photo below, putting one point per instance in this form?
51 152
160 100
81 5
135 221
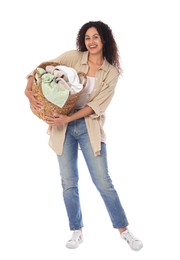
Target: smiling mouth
92 46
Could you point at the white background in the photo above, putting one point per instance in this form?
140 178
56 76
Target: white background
142 132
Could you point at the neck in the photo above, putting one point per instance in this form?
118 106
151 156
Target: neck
96 59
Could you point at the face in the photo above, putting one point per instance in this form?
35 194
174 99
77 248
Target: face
93 41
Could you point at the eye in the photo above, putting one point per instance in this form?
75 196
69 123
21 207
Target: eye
96 37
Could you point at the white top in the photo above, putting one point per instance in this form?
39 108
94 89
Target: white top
84 97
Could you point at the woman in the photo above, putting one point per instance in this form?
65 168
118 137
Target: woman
97 56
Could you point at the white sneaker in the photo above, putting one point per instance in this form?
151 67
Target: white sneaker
133 242
76 239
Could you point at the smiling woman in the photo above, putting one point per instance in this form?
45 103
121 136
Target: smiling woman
83 127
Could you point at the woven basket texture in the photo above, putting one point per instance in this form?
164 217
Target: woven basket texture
49 108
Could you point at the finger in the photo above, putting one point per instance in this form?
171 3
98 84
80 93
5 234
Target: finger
49 117
38 103
56 115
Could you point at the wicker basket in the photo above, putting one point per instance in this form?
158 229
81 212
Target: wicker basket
48 107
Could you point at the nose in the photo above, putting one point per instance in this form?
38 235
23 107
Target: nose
91 40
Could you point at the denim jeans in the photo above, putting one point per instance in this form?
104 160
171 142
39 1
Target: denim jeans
77 134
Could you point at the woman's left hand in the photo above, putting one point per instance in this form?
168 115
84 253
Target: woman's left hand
56 120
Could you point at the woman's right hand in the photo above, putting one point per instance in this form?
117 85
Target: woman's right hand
32 96
35 104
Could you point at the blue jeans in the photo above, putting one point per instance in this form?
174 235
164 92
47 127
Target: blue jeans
97 165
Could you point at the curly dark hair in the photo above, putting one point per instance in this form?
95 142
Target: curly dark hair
110 49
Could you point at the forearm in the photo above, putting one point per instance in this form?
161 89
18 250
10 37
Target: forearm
86 111
57 119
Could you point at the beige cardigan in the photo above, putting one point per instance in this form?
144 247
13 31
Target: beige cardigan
105 82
